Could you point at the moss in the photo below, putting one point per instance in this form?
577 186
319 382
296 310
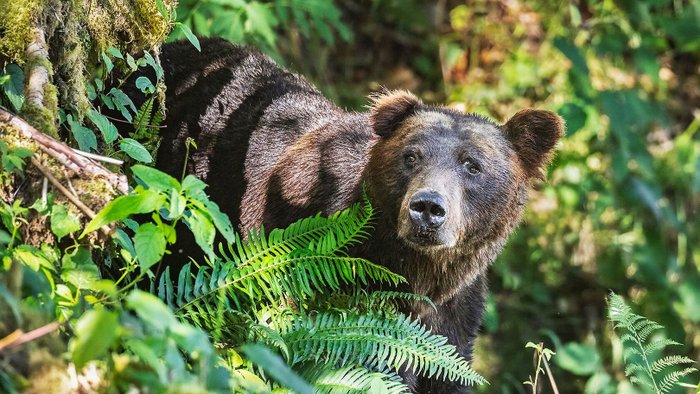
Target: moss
41 118
16 18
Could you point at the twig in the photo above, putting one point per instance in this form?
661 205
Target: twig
98 157
552 383
70 196
18 337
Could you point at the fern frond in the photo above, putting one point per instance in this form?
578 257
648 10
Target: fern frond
324 235
641 366
143 118
672 379
355 379
670 361
375 342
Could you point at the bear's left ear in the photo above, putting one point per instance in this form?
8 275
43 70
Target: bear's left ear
390 108
533 134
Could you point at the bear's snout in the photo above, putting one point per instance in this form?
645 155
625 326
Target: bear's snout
427 210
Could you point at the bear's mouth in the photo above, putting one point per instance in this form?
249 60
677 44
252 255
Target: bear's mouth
424 238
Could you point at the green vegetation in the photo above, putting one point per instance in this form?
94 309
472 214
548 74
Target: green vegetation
618 210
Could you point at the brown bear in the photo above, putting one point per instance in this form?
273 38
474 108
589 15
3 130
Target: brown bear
448 187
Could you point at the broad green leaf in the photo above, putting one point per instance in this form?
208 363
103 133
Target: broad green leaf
578 358
155 179
221 221
62 222
194 188
14 86
202 229
178 203
107 128
85 137
151 309
570 50
149 242
276 368
135 150
140 201
31 257
95 332
107 62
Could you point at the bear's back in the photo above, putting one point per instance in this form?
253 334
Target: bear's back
272 148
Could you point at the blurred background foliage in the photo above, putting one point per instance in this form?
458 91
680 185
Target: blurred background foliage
619 210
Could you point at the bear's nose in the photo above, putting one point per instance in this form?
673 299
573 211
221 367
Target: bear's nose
427 209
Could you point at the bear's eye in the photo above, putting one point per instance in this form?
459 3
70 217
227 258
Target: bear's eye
471 167
411 159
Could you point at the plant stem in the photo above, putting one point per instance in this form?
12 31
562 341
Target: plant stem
552 383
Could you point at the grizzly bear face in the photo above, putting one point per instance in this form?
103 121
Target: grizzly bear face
447 179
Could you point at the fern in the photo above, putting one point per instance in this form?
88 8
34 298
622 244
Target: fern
660 375
354 380
376 342
290 289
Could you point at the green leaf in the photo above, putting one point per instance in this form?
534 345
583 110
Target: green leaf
62 222
14 87
151 310
107 128
85 137
276 368
141 201
31 257
149 242
189 35
221 221
578 358
115 52
144 85
107 62
95 332
202 229
135 150
155 179
123 103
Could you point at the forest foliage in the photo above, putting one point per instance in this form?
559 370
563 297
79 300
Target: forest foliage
618 211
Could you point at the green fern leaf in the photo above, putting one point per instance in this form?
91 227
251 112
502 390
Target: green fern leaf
355 379
374 341
641 366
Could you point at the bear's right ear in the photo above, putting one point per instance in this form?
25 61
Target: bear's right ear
390 108
534 133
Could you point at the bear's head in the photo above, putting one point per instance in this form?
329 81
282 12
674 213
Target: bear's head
446 180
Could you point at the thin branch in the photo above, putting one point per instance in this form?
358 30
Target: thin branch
69 195
552 383
18 337
98 157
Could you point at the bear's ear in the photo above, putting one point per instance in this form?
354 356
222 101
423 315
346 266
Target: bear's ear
390 108
533 134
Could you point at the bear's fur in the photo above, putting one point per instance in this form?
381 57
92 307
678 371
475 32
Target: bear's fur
448 187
